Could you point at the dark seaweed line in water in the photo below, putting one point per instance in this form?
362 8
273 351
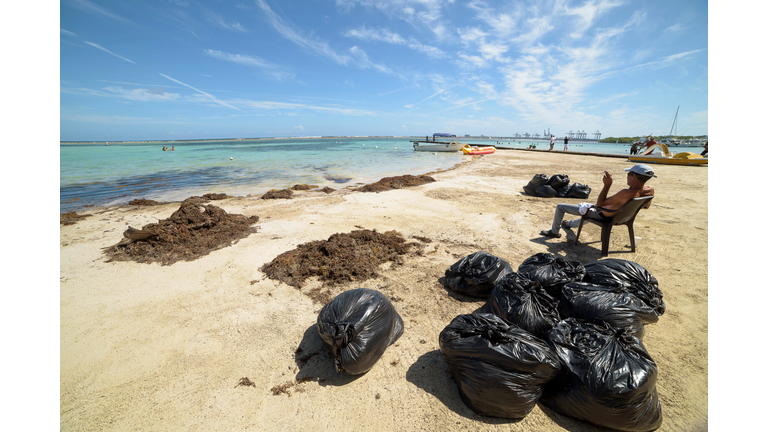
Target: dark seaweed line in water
83 195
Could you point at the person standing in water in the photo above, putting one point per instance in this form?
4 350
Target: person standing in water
565 147
551 142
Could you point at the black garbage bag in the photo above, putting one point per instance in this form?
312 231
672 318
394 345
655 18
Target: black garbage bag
523 303
538 180
606 378
499 368
359 325
627 274
476 274
579 190
562 192
545 191
551 271
559 180
615 305
530 189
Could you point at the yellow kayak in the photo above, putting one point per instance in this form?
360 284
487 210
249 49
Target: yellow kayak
478 150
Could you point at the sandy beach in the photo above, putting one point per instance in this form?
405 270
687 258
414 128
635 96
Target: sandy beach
166 348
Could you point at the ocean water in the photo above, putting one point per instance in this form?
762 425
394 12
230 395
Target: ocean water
100 175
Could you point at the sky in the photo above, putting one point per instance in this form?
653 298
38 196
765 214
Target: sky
185 69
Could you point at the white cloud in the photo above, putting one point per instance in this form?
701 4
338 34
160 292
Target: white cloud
267 68
155 94
589 12
90 7
103 119
470 61
534 29
207 95
425 14
365 63
311 45
666 61
66 32
358 58
471 35
675 28
287 106
217 19
502 23
108 51
385 35
151 94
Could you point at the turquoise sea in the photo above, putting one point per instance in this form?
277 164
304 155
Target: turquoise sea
104 175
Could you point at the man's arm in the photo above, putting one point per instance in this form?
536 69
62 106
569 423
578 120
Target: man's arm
616 201
607 182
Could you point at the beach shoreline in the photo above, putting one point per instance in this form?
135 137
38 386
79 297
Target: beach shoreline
166 348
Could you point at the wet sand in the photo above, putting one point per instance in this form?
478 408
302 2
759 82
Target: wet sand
166 348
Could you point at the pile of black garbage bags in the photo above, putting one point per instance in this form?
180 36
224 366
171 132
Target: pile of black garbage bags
559 332
559 185
566 334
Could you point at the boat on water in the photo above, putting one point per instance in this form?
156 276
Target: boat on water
452 146
469 150
438 146
666 157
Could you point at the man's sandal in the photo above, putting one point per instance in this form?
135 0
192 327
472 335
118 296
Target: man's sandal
549 233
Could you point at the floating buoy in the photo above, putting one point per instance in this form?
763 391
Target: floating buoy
395 148
231 158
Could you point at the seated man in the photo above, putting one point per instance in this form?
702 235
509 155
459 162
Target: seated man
606 207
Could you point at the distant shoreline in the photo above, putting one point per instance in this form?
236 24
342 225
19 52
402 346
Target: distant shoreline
224 139
306 137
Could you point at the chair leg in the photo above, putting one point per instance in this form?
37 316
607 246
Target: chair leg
605 237
631 236
581 223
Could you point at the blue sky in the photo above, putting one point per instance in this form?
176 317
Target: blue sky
182 69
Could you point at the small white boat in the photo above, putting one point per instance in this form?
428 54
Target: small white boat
433 146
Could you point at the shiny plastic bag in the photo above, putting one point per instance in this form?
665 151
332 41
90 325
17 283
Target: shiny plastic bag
607 377
559 180
499 368
545 191
359 325
614 305
524 303
629 275
562 191
579 190
530 189
538 180
476 274
551 271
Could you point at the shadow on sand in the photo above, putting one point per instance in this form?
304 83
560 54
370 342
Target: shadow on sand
315 362
433 375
